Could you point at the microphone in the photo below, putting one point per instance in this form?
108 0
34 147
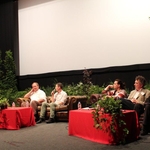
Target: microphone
53 92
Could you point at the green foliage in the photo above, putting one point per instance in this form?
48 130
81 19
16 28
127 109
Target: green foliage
95 89
47 90
15 95
1 70
8 83
11 96
76 89
147 86
9 78
108 105
82 89
3 101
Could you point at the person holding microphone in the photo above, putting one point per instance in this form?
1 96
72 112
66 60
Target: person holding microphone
58 98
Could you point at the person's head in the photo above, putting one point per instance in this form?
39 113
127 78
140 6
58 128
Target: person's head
35 86
139 82
58 87
118 84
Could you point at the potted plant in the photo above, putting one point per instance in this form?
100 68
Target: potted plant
3 103
112 108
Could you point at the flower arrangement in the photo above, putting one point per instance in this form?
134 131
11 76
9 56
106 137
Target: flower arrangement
112 108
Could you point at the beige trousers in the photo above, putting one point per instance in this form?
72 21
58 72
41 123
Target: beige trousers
52 109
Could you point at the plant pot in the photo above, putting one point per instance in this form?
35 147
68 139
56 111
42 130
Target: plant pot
3 106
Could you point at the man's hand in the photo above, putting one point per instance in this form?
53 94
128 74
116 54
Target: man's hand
52 98
109 87
29 93
32 90
133 100
41 100
53 92
61 103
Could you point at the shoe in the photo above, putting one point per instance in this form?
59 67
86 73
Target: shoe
51 120
40 120
36 117
144 133
145 130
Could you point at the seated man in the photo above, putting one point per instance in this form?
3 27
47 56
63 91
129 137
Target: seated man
117 90
37 97
136 101
59 98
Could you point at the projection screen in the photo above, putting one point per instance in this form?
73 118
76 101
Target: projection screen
64 35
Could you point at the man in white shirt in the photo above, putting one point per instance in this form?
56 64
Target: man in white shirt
37 97
59 98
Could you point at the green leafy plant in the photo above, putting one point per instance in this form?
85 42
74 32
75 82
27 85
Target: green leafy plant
8 83
147 86
47 90
110 107
1 71
3 103
9 80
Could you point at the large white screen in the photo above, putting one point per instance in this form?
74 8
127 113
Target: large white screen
63 35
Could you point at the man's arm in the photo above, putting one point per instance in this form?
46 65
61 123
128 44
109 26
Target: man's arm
63 100
131 97
42 97
41 100
28 94
107 89
52 94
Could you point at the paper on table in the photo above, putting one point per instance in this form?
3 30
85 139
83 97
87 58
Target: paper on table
86 108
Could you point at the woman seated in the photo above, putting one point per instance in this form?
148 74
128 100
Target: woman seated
117 90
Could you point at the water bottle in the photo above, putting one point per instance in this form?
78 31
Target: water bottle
98 107
13 104
79 105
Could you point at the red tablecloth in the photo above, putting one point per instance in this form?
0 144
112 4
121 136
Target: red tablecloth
81 124
16 117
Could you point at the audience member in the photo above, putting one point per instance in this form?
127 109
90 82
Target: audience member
37 97
136 101
59 98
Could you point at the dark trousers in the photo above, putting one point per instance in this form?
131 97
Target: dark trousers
146 120
140 109
34 105
127 104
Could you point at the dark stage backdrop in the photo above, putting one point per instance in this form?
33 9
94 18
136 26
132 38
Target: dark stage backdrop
9 29
99 76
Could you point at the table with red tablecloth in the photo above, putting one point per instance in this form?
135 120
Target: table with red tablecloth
14 118
81 124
